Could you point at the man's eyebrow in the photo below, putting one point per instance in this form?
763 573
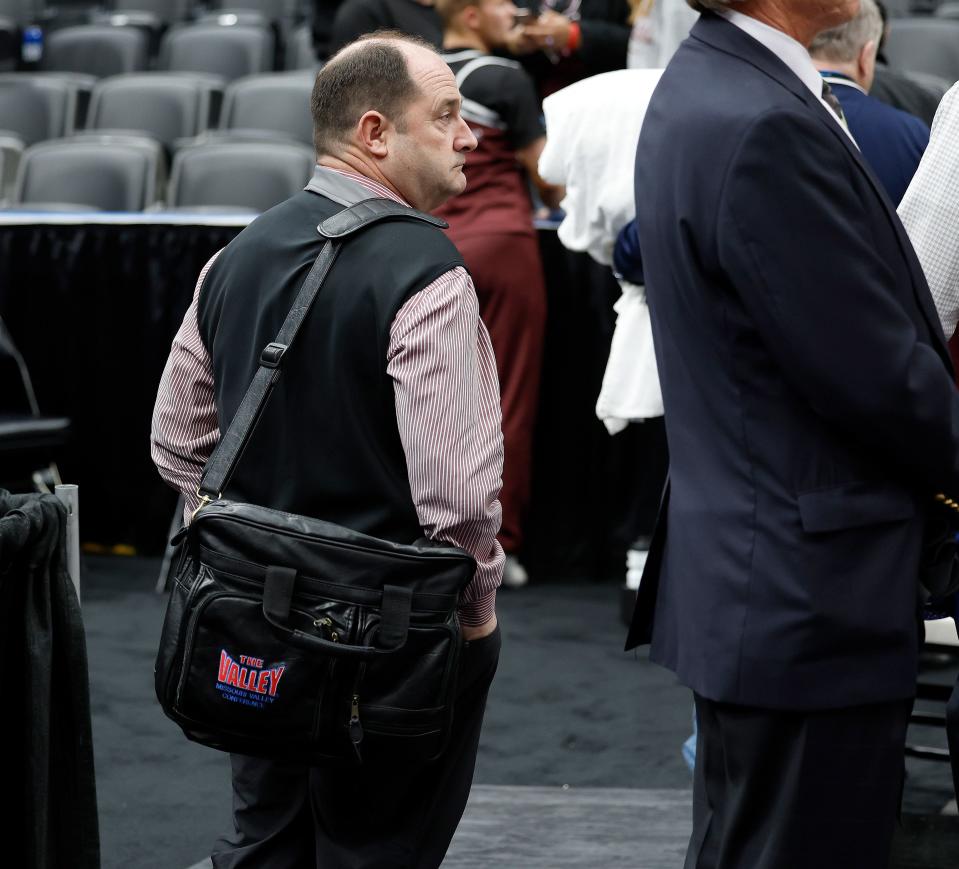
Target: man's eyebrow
451 103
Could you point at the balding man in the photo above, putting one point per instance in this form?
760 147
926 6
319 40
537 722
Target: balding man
892 141
811 419
388 424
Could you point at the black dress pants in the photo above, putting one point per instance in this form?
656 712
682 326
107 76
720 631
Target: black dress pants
290 816
796 790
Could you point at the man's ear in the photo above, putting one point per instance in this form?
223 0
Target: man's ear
373 130
470 18
867 57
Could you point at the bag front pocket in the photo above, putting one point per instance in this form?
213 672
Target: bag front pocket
238 677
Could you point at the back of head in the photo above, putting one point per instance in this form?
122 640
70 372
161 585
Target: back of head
449 10
844 44
370 74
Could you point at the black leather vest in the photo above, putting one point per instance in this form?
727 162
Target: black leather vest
327 444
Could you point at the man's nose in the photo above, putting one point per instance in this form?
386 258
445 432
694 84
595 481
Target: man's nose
465 140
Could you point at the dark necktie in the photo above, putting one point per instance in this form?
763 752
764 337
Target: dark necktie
832 101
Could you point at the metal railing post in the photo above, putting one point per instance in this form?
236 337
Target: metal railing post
69 496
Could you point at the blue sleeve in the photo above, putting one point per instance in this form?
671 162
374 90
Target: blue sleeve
627 257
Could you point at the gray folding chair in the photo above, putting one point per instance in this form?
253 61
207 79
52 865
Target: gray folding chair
97 50
948 10
271 10
276 102
251 175
90 172
928 45
164 105
299 50
38 106
230 52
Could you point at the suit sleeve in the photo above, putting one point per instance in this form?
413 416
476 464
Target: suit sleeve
825 302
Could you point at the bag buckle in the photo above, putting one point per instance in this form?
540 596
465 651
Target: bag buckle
272 354
204 500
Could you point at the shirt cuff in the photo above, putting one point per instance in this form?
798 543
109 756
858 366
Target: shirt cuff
575 38
478 612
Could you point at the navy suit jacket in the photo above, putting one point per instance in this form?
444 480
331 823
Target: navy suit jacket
810 408
892 141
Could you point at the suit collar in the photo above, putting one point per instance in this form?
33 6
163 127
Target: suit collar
729 39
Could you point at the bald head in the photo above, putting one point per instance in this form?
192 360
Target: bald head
379 72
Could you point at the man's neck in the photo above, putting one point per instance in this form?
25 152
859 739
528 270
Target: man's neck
348 162
783 15
453 39
847 69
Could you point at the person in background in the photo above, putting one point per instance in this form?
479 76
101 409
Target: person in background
812 421
930 213
491 225
892 141
563 41
357 17
914 93
658 28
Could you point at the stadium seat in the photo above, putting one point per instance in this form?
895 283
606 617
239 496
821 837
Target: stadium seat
929 45
230 52
948 10
93 172
163 11
232 175
275 102
299 50
37 106
29 441
97 50
11 150
271 10
164 105
9 44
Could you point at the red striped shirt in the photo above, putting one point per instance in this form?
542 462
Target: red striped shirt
447 411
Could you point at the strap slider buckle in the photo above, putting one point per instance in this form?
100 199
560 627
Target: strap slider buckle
272 354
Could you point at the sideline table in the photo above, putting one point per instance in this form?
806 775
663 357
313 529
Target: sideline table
94 299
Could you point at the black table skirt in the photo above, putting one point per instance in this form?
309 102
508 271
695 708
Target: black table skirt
94 307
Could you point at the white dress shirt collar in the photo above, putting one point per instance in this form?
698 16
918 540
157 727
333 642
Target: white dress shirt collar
789 51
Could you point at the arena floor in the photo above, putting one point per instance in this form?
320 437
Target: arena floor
579 764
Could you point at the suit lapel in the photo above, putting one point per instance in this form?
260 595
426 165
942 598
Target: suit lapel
720 34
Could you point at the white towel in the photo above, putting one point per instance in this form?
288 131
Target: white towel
630 390
592 129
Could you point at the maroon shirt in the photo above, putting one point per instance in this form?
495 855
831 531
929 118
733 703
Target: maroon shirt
502 109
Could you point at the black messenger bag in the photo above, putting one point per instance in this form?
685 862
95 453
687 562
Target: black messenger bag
293 638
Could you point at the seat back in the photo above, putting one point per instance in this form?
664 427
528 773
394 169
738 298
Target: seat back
929 45
107 173
278 102
165 11
271 10
97 50
229 52
299 50
251 175
165 106
37 106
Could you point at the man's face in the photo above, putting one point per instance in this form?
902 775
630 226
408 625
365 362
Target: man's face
494 20
429 145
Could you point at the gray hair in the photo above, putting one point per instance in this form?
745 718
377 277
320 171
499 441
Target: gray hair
711 5
844 43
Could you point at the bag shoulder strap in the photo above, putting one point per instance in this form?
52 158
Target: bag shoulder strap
336 229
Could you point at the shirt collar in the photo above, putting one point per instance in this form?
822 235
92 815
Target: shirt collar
787 49
348 188
840 78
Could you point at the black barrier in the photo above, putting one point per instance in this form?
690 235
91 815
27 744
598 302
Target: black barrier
94 307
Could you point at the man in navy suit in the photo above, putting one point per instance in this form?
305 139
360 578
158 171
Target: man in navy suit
812 420
892 141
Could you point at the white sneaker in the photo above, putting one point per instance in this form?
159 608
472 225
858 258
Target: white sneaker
514 574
